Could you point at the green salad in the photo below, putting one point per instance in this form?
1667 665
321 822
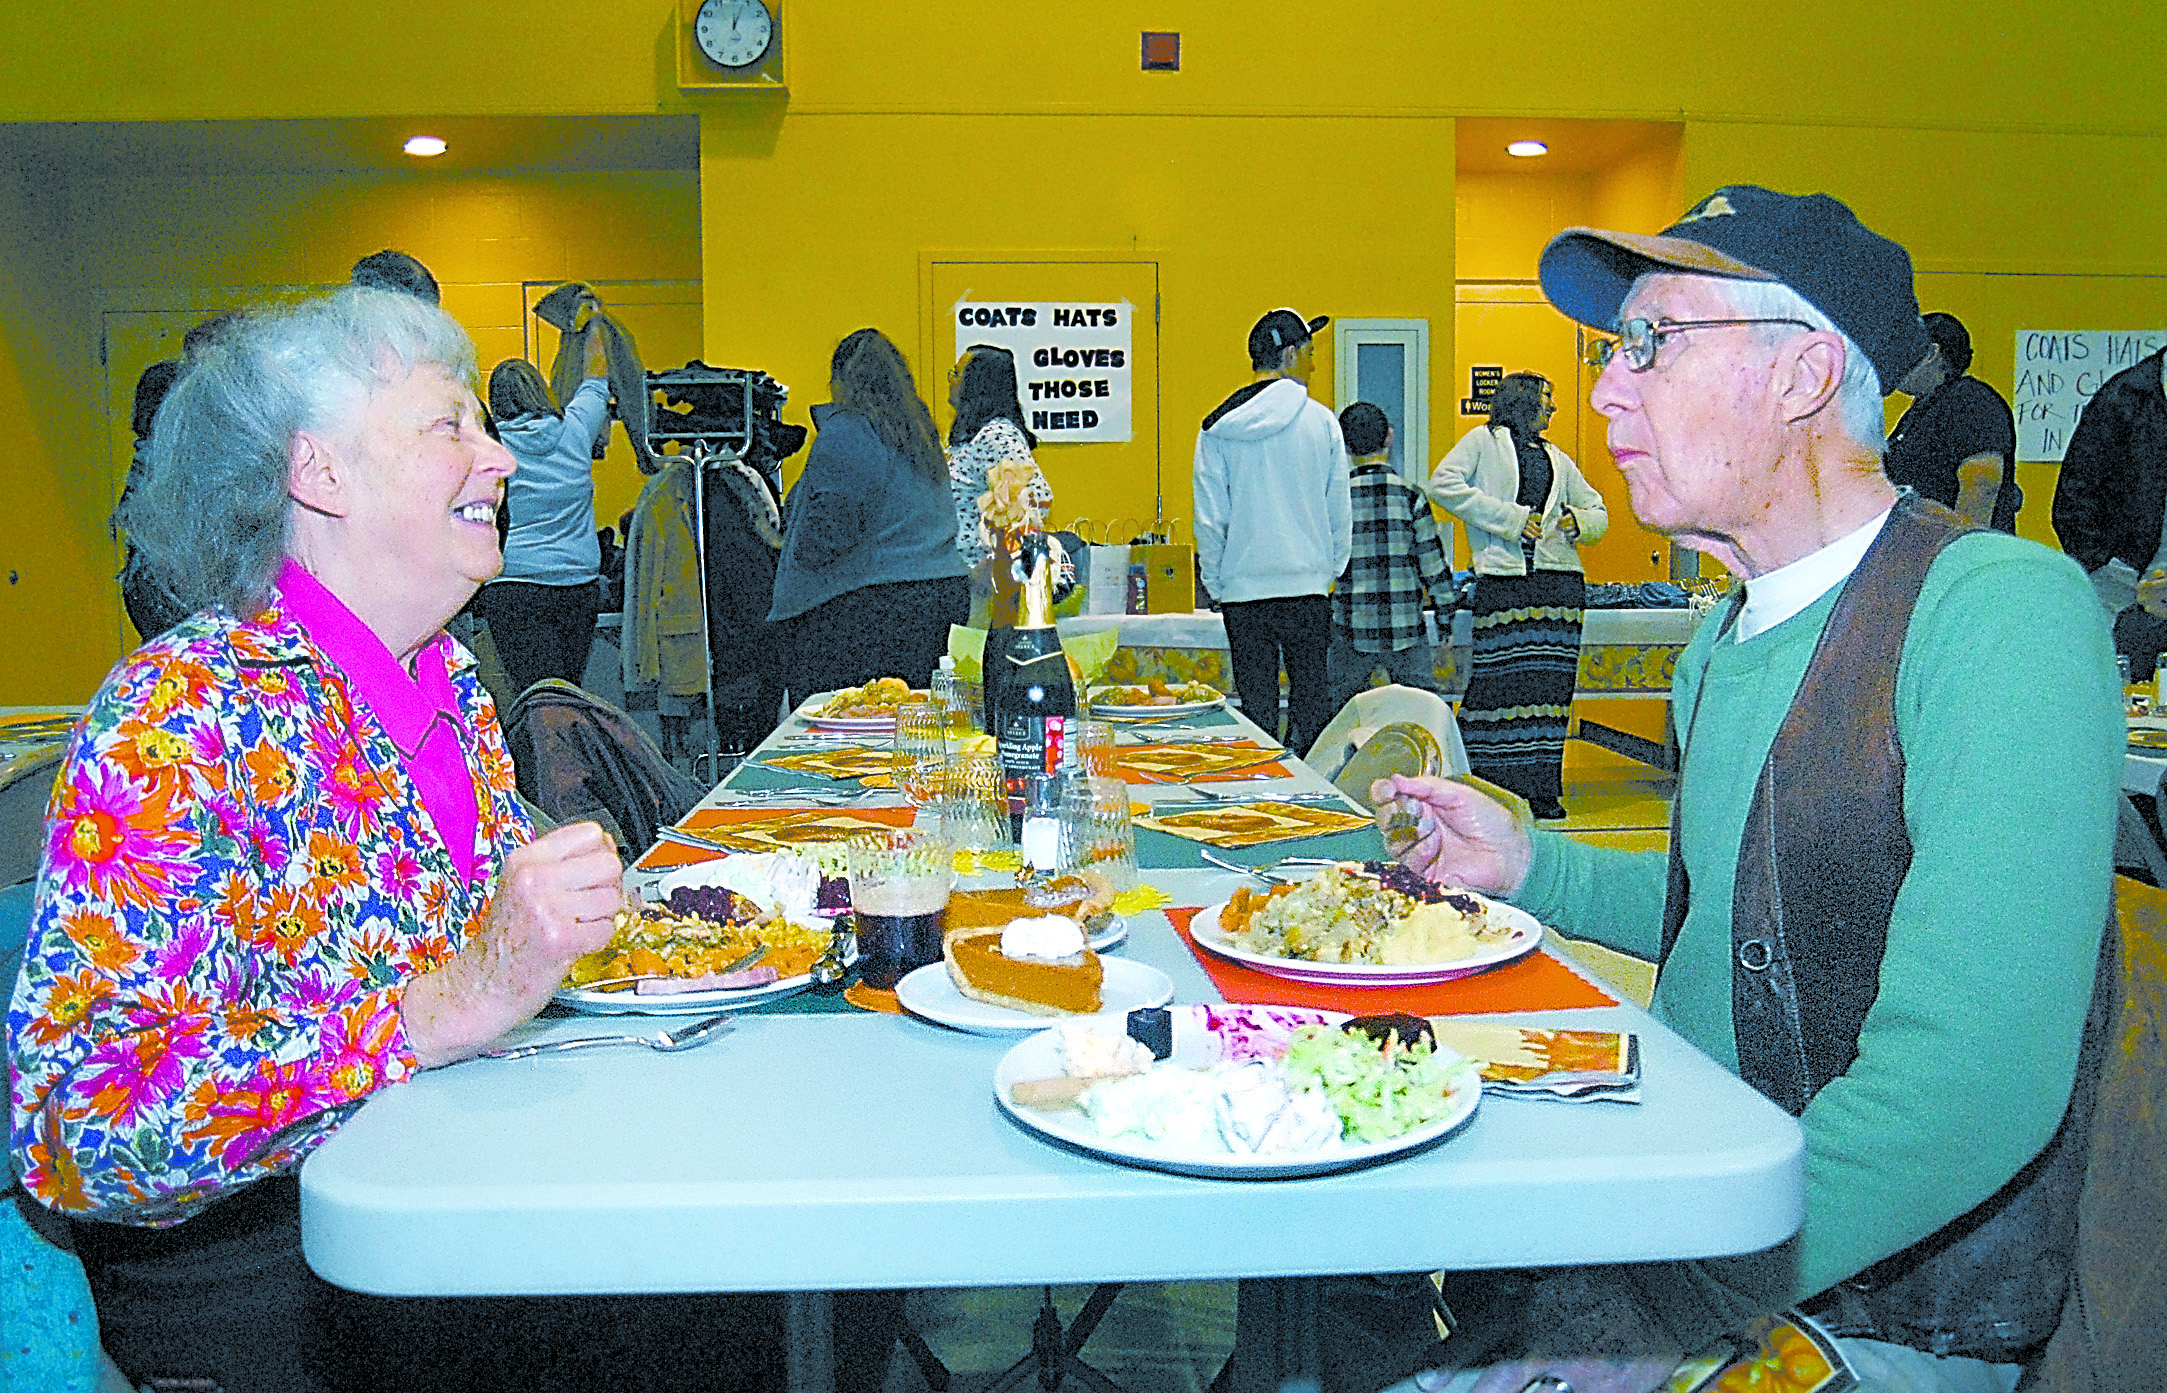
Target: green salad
1379 1095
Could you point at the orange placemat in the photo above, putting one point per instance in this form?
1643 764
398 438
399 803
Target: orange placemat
1537 982
1198 764
767 829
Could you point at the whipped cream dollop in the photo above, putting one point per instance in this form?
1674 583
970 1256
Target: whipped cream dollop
1048 938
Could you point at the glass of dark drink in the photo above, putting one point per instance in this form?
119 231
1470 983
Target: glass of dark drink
899 884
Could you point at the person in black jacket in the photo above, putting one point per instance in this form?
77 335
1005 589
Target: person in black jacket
2110 503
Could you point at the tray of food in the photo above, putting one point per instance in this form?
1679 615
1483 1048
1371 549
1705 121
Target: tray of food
861 710
686 951
1239 1092
1366 924
1155 698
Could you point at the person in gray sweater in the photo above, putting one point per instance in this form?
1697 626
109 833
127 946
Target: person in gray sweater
870 578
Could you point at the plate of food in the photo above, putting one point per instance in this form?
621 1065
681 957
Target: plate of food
1155 698
1239 1092
1007 964
865 710
933 992
685 951
1366 924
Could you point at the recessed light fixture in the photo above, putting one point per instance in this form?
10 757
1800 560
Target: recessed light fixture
426 146
1525 149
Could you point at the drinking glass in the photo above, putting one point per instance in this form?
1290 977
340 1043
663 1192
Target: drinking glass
1093 742
974 803
1096 833
899 884
920 750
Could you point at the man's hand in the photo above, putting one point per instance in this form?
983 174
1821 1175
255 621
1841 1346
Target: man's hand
1465 837
557 900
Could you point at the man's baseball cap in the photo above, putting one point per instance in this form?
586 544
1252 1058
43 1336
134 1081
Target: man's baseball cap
1280 330
1809 242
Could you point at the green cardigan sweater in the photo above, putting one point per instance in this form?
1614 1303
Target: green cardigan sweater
2010 722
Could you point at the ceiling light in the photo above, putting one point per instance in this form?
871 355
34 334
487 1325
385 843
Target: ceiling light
1525 149
426 146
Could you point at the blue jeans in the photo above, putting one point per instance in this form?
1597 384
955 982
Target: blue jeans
1347 672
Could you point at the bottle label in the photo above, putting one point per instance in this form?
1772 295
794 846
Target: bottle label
1056 743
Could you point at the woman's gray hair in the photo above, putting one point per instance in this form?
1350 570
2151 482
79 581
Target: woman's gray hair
209 519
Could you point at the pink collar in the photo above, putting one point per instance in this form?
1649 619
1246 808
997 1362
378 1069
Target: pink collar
405 704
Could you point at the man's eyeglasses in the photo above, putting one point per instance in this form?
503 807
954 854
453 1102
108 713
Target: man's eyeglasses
1639 339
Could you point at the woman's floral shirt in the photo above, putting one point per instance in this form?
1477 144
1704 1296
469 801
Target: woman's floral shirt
238 878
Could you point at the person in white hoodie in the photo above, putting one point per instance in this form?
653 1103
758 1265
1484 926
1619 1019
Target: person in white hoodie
1274 527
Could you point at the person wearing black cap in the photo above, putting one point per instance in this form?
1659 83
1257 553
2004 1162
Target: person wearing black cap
1275 527
1891 848
1957 443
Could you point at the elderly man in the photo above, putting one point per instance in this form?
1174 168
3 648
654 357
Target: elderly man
1890 856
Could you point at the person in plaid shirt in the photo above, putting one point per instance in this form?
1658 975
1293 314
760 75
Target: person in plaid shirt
1377 606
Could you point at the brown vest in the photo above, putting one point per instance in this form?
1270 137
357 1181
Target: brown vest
1825 852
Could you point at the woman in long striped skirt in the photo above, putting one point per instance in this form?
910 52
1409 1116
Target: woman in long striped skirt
1526 507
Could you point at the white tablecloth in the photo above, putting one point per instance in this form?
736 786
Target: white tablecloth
1205 629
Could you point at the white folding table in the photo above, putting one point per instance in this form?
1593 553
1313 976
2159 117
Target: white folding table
812 1153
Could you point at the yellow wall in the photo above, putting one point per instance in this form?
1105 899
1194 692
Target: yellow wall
1282 165
127 261
1344 218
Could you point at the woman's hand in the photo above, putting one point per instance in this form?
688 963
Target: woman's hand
558 899
1531 531
1568 524
1465 838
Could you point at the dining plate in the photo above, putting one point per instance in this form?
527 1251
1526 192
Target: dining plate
853 725
1206 1035
785 882
1116 930
928 992
1526 933
1099 706
631 1003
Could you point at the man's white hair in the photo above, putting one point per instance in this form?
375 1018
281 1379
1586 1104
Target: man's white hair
1858 397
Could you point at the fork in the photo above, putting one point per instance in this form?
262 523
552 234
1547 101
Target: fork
1268 877
663 1041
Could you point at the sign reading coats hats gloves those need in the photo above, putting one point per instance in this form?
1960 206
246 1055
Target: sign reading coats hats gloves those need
2058 370
1073 363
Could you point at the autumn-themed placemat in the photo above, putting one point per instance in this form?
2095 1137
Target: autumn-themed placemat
1232 825
1206 763
1535 982
849 762
768 829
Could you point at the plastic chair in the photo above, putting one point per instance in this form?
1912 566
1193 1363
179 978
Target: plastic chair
1371 711
580 758
52 1340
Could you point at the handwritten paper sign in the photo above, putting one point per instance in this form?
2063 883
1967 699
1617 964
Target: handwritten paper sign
1073 363
2058 370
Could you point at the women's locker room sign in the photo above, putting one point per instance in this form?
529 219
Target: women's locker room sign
1073 363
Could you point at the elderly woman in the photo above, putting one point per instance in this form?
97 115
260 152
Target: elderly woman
870 579
285 866
1526 508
